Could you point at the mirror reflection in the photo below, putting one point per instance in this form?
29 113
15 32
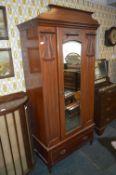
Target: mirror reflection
72 67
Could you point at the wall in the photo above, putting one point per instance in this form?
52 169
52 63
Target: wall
22 10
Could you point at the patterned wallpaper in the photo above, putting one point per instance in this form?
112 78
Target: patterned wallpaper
19 11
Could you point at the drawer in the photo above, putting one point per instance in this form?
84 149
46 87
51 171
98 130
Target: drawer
108 95
108 99
72 85
107 117
68 147
105 121
69 81
111 90
108 109
71 74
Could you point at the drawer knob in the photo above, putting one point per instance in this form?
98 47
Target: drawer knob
63 151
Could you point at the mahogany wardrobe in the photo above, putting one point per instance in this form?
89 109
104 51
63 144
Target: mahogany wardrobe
58 49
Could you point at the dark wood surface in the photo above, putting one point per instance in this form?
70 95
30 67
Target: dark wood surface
105 106
44 78
72 80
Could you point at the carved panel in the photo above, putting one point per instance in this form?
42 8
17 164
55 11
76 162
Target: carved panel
47 40
90 44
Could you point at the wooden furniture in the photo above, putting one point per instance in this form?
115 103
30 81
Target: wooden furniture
15 143
105 94
105 106
71 79
55 133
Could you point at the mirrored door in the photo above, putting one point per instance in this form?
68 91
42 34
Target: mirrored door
72 80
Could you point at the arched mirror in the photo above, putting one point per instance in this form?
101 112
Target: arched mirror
72 67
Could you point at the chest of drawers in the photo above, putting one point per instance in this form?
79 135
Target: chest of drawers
105 107
72 79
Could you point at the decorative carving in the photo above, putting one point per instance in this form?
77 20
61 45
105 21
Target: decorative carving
47 40
90 45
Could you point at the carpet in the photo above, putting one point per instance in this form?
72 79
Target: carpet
98 158
107 143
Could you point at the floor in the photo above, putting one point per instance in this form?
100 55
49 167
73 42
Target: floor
96 159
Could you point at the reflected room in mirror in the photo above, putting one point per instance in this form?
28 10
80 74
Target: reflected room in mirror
72 67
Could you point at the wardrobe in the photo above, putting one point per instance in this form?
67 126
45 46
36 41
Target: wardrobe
58 49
